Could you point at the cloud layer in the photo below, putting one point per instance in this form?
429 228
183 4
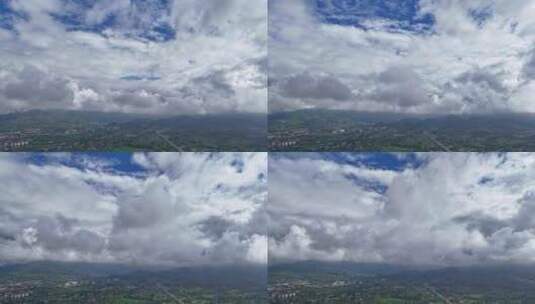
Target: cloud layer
412 56
153 57
210 209
427 209
164 209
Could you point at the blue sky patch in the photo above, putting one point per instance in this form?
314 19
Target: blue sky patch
482 14
485 180
383 161
238 164
144 19
367 184
402 15
117 162
8 17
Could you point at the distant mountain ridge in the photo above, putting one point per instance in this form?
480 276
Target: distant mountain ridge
335 130
385 117
62 130
413 272
228 276
349 268
109 117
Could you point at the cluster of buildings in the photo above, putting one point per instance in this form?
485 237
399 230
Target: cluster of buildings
15 140
286 139
15 293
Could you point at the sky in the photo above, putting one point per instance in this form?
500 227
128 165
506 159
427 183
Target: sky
135 56
408 56
432 209
156 209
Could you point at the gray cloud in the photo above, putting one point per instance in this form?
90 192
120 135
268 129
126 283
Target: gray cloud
485 224
34 88
178 57
438 213
180 209
456 64
481 89
52 234
400 86
524 219
155 206
216 82
529 67
482 78
214 227
306 86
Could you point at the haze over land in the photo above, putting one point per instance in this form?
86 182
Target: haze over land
415 56
148 57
